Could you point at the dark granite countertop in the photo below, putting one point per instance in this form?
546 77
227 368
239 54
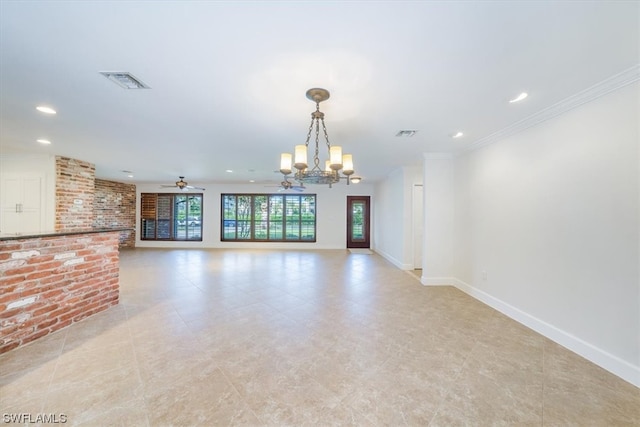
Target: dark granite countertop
17 236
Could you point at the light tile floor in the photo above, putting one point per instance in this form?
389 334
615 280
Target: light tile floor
276 338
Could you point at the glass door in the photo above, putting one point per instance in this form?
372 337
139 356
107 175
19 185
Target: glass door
358 222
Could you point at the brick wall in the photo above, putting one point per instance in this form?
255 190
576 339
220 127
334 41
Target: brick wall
48 283
115 206
75 188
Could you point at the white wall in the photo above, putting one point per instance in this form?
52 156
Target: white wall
331 207
438 196
552 216
393 212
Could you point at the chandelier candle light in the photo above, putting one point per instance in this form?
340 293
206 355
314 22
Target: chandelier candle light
337 161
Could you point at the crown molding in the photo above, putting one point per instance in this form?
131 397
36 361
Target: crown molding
626 77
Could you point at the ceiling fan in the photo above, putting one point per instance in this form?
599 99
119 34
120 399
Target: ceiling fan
288 185
183 185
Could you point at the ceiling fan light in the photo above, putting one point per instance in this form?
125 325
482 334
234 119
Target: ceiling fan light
183 185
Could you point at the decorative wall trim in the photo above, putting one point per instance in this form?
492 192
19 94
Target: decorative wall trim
611 363
614 82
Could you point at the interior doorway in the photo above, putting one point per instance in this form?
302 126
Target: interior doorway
358 222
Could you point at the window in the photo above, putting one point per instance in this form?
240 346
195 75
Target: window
269 217
167 216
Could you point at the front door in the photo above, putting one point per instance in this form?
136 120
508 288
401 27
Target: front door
358 222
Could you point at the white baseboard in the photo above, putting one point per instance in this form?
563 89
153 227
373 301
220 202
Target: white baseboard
437 281
392 260
611 363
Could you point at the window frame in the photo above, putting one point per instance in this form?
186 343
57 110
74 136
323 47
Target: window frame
166 223
272 228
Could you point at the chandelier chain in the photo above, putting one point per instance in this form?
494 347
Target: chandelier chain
326 135
316 157
309 133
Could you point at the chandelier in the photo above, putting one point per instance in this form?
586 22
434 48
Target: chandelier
336 163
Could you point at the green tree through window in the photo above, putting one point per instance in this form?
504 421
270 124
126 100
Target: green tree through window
269 217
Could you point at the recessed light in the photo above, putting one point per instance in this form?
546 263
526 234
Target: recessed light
43 141
457 135
229 171
129 176
45 109
252 180
519 98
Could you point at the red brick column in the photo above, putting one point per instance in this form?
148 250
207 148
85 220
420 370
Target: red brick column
75 190
47 283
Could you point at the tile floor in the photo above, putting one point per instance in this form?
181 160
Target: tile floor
318 338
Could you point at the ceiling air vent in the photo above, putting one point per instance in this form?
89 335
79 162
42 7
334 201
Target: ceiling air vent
406 133
124 79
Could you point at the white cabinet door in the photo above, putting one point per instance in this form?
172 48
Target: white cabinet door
11 191
31 192
21 200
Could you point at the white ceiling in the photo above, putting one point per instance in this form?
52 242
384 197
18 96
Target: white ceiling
228 79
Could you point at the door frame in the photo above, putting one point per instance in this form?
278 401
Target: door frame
366 242
417 225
